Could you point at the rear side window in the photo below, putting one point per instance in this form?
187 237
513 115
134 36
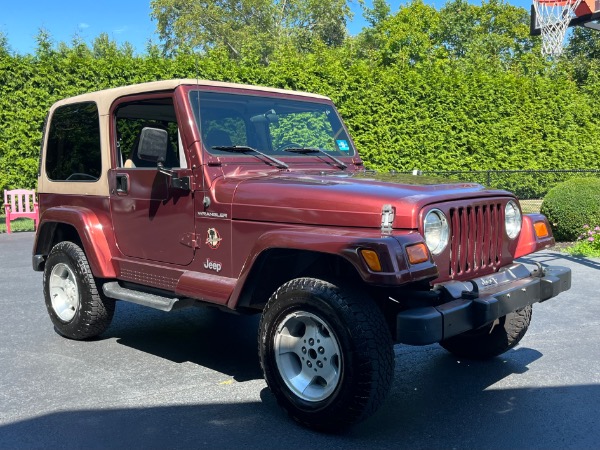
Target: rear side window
73 150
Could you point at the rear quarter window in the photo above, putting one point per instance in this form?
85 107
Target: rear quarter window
73 148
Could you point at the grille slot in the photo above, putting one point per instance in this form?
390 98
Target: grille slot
476 238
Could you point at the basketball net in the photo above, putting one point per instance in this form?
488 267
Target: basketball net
553 19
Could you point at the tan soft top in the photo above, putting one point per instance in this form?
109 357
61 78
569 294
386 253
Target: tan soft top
106 97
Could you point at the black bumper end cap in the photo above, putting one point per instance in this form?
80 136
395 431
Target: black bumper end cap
556 279
419 326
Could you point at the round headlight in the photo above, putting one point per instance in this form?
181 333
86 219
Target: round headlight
512 219
436 231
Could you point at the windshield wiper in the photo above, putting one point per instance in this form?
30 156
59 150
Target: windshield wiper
245 149
307 150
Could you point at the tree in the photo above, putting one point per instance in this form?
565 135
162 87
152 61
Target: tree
493 29
583 54
378 13
404 37
4 49
248 26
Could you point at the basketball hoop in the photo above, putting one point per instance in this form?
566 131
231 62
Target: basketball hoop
553 19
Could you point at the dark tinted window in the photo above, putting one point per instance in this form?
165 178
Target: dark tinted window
73 150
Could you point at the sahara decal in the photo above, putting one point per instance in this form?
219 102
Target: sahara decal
213 265
213 239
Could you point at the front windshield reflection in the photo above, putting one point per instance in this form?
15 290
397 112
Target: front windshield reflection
270 125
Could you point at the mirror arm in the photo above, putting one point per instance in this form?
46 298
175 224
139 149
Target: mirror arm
176 182
162 169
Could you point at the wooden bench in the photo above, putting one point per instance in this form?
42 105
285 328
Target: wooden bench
20 203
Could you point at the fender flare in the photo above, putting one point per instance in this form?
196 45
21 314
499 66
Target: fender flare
91 232
345 244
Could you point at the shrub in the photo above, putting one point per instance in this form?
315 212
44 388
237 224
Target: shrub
572 204
588 242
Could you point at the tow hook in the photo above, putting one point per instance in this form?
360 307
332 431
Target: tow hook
539 272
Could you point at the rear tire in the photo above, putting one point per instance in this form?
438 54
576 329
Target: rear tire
326 353
491 340
77 308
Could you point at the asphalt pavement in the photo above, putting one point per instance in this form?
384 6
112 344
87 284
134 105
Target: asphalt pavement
191 379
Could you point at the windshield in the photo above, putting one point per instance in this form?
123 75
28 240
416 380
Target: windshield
270 125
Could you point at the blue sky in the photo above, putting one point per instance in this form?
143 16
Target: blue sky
122 20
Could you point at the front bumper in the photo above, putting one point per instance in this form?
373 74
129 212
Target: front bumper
471 304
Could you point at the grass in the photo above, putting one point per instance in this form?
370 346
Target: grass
16 225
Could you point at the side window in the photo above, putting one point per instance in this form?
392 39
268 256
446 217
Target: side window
73 150
132 117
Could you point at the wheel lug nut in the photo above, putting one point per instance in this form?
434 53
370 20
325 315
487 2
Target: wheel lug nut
320 364
311 341
321 350
309 364
304 350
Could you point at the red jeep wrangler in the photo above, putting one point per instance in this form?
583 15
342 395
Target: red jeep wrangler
182 193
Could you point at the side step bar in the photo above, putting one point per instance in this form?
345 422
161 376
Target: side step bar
114 290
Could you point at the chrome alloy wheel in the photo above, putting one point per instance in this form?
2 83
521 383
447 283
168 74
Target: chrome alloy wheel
64 292
308 356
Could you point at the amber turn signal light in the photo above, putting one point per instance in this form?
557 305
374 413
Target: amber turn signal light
372 259
541 230
417 253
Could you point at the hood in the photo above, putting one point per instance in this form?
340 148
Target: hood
347 199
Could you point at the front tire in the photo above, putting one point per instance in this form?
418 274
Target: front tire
326 353
491 340
77 308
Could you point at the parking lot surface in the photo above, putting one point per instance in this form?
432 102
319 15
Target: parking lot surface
191 379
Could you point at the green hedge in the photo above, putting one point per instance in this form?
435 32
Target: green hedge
412 96
572 204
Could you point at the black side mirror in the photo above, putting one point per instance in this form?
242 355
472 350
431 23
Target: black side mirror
153 145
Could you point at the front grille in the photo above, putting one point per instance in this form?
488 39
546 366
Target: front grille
476 238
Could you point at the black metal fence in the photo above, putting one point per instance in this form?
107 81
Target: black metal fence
530 186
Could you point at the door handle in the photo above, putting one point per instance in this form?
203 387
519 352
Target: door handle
122 183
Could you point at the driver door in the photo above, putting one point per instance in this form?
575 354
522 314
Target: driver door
152 220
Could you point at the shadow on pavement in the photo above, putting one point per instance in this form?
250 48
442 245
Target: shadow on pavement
508 418
549 257
218 340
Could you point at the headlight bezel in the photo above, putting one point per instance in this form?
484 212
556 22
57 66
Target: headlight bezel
513 220
436 245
